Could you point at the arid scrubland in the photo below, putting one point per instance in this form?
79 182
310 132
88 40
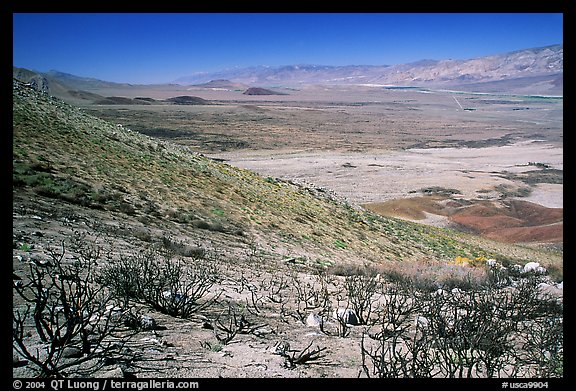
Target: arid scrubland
138 252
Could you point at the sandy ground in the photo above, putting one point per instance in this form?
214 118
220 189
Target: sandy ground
474 175
377 176
178 348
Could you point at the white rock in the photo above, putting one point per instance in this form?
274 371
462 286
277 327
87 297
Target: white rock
174 297
533 267
72 352
114 312
347 315
422 322
150 340
491 262
116 373
281 348
550 289
147 323
456 291
560 285
516 268
544 286
313 320
440 292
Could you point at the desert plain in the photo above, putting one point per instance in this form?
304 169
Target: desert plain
485 164
386 148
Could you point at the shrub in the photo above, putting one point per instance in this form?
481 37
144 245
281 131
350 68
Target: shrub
142 234
182 249
484 332
66 309
439 190
340 244
304 356
389 355
236 323
432 275
170 286
310 296
361 291
352 270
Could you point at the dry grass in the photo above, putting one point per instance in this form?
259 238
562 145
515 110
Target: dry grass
410 208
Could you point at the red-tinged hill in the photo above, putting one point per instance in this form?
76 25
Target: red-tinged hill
511 221
261 91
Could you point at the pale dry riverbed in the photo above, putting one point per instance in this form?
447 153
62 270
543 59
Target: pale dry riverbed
381 175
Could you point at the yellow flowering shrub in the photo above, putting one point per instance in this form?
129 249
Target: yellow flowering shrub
475 262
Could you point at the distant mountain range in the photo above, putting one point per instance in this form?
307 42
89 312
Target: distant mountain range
528 71
541 68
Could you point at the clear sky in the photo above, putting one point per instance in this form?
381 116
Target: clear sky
160 47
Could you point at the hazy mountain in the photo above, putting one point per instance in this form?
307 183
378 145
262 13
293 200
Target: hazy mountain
80 82
547 61
82 90
528 71
287 75
222 84
541 66
261 91
57 84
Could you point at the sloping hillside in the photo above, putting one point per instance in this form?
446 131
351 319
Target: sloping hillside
229 267
54 85
60 153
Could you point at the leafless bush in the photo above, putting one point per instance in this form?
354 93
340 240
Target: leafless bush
472 332
361 291
529 303
304 356
310 296
182 249
542 347
65 309
176 289
488 332
257 298
171 286
390 357
235 323
276 288
341 315
124 277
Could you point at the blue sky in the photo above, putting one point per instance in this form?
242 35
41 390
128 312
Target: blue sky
157 48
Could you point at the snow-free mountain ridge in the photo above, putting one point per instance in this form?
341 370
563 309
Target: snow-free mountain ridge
528 71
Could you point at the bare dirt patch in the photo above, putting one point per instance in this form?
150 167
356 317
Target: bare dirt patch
381 175
511 221
414 208
541 234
